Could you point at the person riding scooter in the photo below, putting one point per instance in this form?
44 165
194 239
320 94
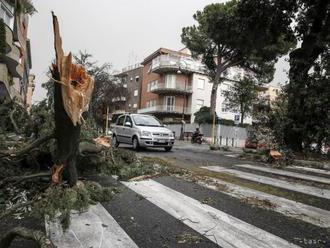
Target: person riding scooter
197 137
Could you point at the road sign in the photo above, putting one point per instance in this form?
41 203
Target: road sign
236 119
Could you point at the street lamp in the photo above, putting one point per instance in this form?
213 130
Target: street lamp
184 101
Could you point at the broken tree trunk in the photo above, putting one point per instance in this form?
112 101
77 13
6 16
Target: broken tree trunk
67 136
73 90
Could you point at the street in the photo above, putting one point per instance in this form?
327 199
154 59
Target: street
227 202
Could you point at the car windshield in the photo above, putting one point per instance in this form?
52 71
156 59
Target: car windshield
145 120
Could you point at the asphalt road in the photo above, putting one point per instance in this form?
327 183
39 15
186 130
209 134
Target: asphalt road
193 155
178 212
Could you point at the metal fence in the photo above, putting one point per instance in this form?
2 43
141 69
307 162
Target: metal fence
224 135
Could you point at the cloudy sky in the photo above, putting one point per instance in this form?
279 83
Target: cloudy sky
121 32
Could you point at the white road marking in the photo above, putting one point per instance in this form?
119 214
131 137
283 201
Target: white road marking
310 190
286 173
94 228
221 228
232 155
309 169
310 214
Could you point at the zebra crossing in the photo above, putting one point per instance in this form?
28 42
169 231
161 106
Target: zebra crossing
212 225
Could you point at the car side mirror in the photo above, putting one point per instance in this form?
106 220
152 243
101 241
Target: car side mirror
128 124
164 125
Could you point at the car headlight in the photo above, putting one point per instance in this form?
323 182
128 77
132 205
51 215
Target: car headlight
146 133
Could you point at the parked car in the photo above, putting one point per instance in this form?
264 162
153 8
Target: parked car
142 131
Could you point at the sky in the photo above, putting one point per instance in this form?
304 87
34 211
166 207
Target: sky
121 32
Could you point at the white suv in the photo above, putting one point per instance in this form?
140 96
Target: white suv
142 131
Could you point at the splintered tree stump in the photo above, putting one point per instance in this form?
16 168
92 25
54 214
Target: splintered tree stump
67 136
72 94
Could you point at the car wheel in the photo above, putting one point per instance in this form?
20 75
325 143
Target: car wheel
136 145
115 142
168 148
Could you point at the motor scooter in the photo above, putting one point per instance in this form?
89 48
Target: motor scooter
198 138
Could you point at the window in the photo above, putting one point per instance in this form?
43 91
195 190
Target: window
134 105
152 85
146 120
6 13
137 79
128 119
199 103
120 120
201 84
224 107
149 69
169 103
170 81
136 92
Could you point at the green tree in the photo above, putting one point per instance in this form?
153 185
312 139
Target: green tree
203 116
241 96
106 86
237 34
305 89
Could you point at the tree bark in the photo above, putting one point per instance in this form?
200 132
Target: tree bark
214 92
67 136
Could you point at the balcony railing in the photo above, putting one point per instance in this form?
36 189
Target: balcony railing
160 88
166 63
165 109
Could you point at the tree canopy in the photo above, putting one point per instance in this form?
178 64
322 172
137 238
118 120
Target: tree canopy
238 34
241 96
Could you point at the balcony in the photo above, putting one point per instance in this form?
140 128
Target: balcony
119 99
12 55
170 63
165 109
178 88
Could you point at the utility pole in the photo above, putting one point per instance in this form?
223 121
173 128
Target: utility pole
107 121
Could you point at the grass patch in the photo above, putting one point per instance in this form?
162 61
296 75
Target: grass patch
196 173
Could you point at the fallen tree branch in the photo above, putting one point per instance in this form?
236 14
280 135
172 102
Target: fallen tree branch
39 237
15 208
11 116
28 148
19 179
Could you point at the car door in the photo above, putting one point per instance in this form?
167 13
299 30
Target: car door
120 128
128 130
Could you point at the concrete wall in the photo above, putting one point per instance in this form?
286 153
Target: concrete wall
225 135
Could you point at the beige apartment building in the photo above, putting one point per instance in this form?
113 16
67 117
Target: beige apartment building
175 86
269 93
167 84
15 57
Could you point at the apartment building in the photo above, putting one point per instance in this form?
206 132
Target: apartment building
130 78
15 53
269 93
175 86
